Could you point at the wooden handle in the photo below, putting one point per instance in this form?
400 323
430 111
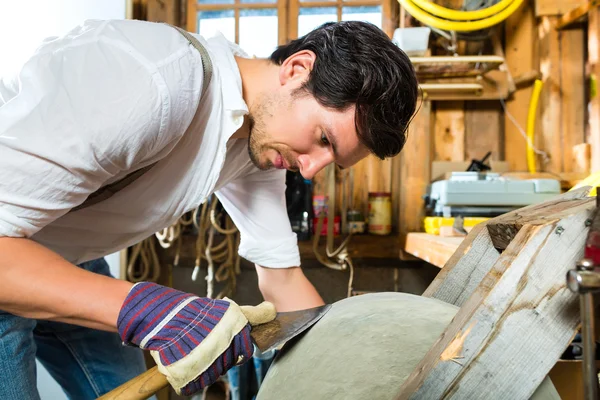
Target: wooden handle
139 388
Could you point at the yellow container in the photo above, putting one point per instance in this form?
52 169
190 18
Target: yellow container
380 213
433 224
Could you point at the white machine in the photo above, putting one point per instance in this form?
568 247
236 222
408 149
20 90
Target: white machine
486 194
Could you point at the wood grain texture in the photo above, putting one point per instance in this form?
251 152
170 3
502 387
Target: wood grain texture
449 131
556 7
434 249
582 158
504 228
548 133
415 165
593 136
138 388
573 89
509 333
484 130
519 35
465 270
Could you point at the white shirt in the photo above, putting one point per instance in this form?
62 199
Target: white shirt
111 97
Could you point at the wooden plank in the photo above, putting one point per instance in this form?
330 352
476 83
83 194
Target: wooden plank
191 16
594 67
282 21
390 14
520 33
573 15
509 333
484 128
449 131
163 11
582 158
548 132
415 165
465 269
503 229
555 7
434 249
573 89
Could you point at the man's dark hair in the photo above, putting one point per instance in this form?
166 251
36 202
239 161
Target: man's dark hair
357 63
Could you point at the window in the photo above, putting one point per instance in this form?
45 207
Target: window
258 26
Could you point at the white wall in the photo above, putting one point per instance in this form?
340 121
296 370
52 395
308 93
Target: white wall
23 24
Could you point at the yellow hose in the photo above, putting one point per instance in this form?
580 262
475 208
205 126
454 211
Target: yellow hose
459 26
449 13
535 95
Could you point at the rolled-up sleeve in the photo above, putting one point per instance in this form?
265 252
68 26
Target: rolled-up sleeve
84 111
256 204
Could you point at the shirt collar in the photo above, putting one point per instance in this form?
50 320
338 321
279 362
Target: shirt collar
231 81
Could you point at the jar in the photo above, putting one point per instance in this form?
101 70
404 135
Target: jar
356 221
380 213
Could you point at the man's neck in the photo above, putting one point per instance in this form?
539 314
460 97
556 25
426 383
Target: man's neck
258 75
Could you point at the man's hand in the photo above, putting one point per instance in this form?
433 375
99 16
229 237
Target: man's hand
287 288
193 340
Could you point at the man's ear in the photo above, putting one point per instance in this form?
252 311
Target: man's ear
296 68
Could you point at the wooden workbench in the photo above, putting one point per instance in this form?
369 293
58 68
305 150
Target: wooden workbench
434 249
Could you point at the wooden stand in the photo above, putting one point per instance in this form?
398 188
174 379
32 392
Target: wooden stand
517 315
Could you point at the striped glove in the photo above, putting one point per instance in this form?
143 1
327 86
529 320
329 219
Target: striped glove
193 340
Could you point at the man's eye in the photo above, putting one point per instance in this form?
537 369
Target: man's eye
324 139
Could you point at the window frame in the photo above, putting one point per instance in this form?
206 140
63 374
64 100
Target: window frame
288 12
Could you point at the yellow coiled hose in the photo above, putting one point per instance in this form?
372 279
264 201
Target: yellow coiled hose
429 13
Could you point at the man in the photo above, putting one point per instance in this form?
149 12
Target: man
116 98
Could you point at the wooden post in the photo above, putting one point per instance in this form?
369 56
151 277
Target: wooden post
449 131
415 166
519 36
594 67
517 315
484 128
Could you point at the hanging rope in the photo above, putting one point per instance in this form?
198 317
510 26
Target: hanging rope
223 262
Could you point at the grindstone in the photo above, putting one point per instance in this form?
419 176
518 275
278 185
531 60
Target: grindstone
364 348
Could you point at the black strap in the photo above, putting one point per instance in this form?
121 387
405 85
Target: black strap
107 191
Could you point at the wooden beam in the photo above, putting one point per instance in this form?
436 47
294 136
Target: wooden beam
555 7
462 273
434 249
163 11
575 14
484 130
582 158
548 134
449 131
520 33
573 93
515 325
594 68
415 165
191 16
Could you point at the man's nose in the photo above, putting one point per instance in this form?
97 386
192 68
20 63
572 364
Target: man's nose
310 164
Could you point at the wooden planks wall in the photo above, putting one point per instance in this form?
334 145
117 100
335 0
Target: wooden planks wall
593 136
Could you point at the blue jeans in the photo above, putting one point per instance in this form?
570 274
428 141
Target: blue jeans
85 362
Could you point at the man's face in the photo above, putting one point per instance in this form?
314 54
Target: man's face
295 132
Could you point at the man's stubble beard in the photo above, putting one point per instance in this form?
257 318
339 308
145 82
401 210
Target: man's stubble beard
257 135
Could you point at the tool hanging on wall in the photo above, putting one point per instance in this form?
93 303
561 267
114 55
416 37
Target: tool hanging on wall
337 259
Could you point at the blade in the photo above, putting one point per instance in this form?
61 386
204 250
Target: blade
286 326
592 244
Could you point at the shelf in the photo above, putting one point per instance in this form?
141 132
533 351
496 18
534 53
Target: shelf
434 249
360 246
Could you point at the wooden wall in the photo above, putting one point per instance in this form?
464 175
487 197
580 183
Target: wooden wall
567 62
463 130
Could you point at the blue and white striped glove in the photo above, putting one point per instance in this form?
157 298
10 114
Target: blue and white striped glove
193 340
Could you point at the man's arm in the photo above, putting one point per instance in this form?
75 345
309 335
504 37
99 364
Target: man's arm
287 288
37 283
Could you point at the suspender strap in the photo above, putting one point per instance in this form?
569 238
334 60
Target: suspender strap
107 191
